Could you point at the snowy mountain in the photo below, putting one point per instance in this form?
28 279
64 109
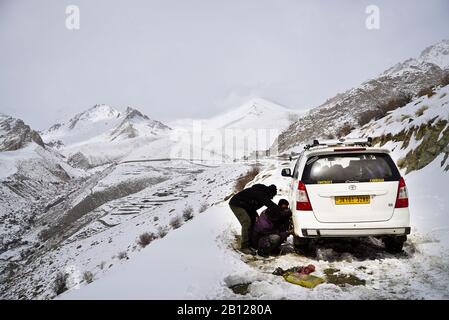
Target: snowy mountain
437 54
257 113
103 123
135 124
240 132
393 88
20 145
103 134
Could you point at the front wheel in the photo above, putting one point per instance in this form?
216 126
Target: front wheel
394 244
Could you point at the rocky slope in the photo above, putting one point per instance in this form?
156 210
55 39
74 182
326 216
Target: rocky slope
393 88
15 134
32 176
417 133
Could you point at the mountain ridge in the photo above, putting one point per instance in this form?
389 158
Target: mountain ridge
102 122
15 134
346 110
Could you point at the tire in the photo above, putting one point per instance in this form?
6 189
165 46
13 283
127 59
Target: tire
394 244
302 245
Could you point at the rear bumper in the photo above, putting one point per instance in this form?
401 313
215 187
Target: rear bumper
306 225
316 233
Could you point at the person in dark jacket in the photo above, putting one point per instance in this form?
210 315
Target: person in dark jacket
271 229
245 204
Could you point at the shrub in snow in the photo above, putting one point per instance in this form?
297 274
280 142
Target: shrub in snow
421 110
245 178
383 109
187 213
45 234
88 276
122 255
445 80
401 163
345 130
426 92
145 239
162 232
60 284
204 206
176 222
367 116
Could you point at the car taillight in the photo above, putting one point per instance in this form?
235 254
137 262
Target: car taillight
402 198
302 200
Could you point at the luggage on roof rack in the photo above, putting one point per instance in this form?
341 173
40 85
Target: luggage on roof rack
340 142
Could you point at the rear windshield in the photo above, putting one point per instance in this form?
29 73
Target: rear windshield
347 168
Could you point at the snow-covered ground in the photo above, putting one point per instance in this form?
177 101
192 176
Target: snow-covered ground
113 209
198 260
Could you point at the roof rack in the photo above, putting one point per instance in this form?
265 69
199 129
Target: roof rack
339 142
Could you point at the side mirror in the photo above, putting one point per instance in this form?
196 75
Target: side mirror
286 172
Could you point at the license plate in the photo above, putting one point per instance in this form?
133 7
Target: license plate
352 200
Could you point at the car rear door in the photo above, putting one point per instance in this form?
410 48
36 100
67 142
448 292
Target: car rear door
352 187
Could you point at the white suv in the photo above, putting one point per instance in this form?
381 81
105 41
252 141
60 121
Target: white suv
345 188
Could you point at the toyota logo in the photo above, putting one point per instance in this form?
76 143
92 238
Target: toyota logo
352 187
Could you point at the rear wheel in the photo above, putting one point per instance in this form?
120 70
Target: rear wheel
302 245
394 244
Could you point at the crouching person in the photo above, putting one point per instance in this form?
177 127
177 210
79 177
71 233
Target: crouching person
271 229
245 204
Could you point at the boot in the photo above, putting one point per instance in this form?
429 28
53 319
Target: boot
248 250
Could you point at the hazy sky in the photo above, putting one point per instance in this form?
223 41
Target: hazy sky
195 58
